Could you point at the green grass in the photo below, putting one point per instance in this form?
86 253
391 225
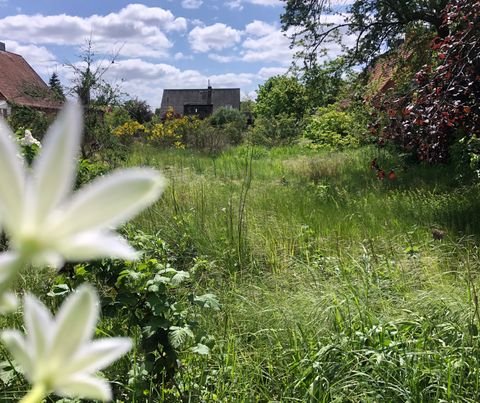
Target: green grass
332 286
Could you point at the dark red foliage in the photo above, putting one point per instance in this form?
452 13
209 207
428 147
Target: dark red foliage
445 102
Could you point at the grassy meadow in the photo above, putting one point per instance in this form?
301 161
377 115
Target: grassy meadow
331 284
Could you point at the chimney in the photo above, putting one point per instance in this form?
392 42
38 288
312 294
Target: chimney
209 94
2 47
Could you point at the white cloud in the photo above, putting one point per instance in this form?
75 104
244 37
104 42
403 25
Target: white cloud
271 46
270 3
213 37
138 30
181 56
260 28
222 58
192 4
238 4
267 72
147 80
234 4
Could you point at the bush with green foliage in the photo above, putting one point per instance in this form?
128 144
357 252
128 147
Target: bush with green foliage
281 95
232 122
138 110
332 129
24 117
282 129
153 300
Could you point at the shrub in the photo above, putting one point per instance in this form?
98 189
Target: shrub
223 116
330 128
278 130
232 122
138 110
115 117
443 106
129 131
24 117
176 132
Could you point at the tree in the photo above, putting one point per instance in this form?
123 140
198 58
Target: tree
281 95
443 107
323 83
56 87
88 83
94 93
378 25
138 110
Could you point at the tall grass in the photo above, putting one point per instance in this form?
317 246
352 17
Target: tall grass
333 288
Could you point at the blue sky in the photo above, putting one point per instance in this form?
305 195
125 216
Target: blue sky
160 44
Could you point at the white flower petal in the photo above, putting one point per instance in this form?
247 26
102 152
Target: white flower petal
96 245
17 346
97 355
75 323
84 386
54 169
8 303
9 264
12 180
110 201
37 318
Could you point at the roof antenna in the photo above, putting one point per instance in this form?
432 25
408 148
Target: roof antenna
209 86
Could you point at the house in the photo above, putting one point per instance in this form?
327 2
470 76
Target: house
21 85
199 102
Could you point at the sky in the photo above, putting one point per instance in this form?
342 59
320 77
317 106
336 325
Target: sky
157 44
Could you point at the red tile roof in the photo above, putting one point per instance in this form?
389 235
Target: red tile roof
21 85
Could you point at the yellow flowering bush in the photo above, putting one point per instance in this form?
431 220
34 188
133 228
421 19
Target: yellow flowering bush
174 132
129 130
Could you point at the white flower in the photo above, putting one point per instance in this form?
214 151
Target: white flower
57 354
48 225
29 140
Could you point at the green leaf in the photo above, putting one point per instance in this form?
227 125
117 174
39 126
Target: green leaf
58 290
179 277
208 301
178 335
201 349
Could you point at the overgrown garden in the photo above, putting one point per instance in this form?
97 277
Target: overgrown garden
320 244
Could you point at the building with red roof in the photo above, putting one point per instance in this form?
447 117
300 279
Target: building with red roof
21 85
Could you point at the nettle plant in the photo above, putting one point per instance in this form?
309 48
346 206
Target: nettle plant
46 226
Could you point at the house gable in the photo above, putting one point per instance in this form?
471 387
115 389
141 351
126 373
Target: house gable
21 85
204 101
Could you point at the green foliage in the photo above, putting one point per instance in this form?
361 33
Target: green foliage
115 117
88 170
24 117
379 25
56 87
223 116
331 129
323 84
282 129
281 95
155 303
138 110
232 122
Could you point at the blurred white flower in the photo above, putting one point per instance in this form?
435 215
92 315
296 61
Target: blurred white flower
46 224
57 354
29 140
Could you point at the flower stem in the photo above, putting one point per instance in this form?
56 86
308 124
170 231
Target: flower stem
35 395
